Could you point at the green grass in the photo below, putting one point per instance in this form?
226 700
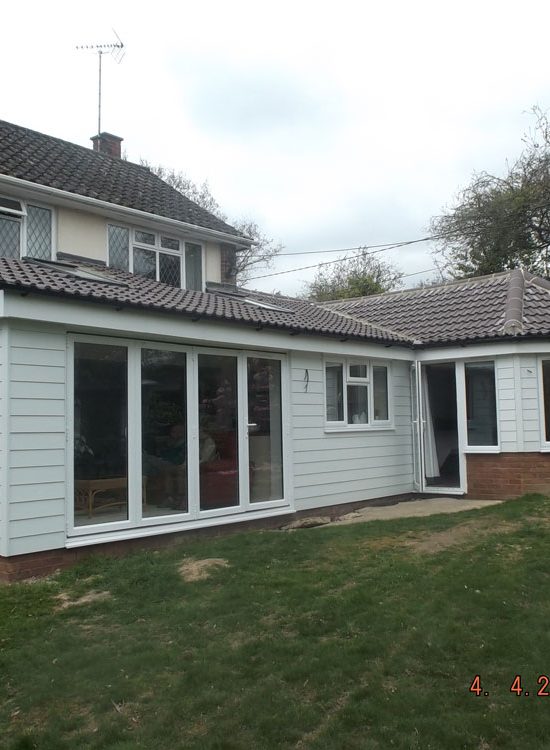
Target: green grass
364 636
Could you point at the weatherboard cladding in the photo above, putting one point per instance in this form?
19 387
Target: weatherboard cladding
123 289
45 160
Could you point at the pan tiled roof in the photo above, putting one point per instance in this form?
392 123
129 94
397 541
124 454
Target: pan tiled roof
42 159
513 303
121 290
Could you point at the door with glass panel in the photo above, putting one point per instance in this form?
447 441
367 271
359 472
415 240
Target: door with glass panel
100 455
218 431
265 434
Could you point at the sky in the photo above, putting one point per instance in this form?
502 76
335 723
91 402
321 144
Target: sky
333 125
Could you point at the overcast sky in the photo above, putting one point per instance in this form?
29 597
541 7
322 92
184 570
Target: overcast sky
332 124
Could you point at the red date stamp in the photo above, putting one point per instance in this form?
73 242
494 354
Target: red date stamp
516 687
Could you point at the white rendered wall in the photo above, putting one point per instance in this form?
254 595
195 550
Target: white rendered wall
81 233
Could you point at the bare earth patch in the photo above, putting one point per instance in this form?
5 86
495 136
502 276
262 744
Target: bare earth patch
197 570
65 600
440 540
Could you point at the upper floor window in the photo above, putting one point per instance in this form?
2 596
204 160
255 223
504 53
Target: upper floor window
25 230
156 256
357 393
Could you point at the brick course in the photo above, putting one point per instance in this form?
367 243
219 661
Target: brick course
37 564
507 475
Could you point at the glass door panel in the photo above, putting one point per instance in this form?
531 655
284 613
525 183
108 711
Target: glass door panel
218 431
265 443
163 432
100 434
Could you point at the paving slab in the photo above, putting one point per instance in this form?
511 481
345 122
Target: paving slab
413 508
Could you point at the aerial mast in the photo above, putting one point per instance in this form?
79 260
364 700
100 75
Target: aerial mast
117 51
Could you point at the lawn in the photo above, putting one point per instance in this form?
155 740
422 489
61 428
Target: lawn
363 636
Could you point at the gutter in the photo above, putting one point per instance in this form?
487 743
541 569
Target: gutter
195 316
107 208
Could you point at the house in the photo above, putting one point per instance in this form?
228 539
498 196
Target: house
142 394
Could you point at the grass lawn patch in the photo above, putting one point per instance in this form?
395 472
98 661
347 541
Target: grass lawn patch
361 636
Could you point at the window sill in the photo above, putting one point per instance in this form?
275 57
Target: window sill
482 449
361 428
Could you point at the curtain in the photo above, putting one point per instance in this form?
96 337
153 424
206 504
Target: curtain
431 463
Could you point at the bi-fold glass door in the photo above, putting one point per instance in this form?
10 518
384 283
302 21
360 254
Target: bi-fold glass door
166 434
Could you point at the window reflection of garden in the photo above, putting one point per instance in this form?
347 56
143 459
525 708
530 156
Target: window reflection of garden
265 429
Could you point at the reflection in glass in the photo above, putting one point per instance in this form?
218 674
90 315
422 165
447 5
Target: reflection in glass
358 404
100 434
145 262
218 432
481 404
193 266
334 383
265 443
164 432
380 392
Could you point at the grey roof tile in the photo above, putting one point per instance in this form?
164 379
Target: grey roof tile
120 289
44 160
474 309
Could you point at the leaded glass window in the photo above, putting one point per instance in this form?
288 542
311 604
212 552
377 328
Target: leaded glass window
170 269
10 237
39 232
119 241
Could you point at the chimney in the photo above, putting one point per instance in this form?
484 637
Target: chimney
107 143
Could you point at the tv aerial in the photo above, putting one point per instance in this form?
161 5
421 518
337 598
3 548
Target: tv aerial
117 51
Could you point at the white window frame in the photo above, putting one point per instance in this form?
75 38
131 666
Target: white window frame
157 248
135 521
544 442
461 381
22 216
372 424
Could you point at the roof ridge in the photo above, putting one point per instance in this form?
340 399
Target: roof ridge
513 309
420 290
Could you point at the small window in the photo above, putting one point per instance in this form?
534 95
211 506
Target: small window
380 393
25 230
334 389
10 236
357 393
119 247
481 408
358 371
145 262
193 266
168 243
145 238
170 269
39 232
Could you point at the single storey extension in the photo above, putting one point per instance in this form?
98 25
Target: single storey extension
142 393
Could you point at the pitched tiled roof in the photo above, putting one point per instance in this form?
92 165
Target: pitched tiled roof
513 303
29 155
93 283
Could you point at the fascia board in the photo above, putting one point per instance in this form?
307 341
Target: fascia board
27 189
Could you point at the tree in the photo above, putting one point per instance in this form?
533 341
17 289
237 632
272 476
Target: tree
355 276
499 223
259 255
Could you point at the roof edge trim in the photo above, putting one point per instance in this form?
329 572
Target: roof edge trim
143 215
